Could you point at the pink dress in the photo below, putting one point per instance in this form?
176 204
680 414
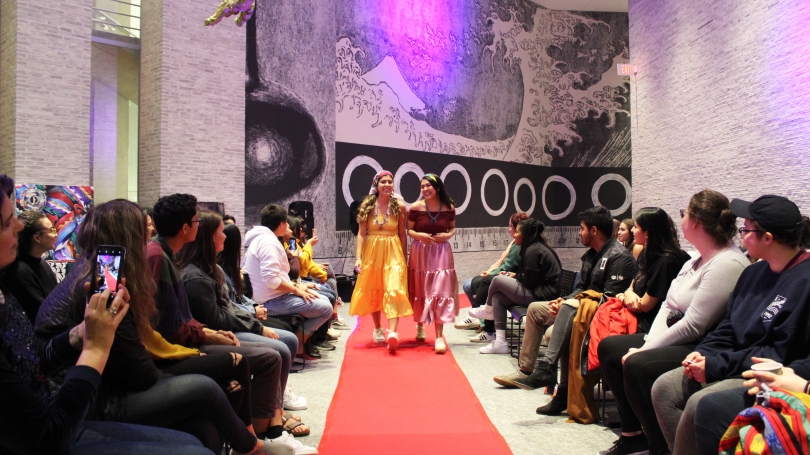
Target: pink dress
432 282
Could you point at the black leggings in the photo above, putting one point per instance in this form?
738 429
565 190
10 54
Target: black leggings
632 382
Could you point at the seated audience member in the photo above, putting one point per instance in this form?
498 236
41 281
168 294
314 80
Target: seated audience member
767 317
228 220
536 279
30 278
477 288
607 266
267 265
695 302
34 419
625 237
136 386
716 411
208 297
174 218
229 259
150 225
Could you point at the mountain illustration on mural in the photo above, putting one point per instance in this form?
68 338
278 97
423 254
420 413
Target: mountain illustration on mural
497 79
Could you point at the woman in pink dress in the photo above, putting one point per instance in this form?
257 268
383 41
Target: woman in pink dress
432 283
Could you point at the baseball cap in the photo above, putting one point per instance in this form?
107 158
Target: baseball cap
776 214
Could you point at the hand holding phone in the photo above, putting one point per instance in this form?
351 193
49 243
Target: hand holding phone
108 270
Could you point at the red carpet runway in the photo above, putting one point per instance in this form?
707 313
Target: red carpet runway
412 402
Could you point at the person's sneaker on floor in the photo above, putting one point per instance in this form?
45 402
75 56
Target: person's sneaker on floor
333 333
301 358
495 347
379 335
482 312
468 323
508 380
392 340
628 445
288 440
293 402
483 337
440 346
340 324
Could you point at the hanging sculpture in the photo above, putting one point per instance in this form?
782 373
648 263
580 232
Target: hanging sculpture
242 9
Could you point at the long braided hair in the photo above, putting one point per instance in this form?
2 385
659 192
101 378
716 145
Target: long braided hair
532 231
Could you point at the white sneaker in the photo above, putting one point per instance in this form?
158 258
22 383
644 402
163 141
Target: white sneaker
288 440
340 324
293 402
495 347
482 312
393 341
468 323
440 346
483 337
378 336
334 333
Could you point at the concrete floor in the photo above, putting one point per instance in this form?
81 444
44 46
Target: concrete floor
512 411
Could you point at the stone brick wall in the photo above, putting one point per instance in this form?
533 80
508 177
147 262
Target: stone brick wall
721 100
192 134
45 91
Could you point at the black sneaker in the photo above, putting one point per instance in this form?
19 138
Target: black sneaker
628 445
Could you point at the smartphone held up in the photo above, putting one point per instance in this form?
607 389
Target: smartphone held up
108 270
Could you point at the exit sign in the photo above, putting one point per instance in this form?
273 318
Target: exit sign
625 69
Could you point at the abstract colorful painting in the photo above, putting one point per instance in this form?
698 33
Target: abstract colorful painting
65 206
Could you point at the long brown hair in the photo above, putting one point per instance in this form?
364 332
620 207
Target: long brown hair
202 252
370 202
121 222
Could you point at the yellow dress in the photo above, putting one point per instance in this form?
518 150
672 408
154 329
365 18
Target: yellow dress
383 281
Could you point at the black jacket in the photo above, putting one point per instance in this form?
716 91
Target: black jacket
210 304
610 269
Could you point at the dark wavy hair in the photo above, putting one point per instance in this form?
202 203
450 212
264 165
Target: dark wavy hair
171 212
629 223
230 258
297 226
437 184
31 220
662 236
202 252
7 187
120 222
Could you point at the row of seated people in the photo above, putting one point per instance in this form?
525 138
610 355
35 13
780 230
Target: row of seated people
168 364
688 327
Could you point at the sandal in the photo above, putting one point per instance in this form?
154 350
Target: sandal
294 425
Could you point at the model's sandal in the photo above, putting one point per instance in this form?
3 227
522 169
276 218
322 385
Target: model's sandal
294 425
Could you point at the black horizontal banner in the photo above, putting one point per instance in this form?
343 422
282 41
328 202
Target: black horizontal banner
486 192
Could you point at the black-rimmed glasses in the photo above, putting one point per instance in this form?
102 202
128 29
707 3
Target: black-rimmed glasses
743 230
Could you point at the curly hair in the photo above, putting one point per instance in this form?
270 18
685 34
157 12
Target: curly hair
32 225
171 212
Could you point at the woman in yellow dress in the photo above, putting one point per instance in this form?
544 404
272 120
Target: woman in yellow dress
382 282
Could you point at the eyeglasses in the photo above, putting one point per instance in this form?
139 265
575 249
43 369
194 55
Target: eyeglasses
743 230
195 221
683 213
51 230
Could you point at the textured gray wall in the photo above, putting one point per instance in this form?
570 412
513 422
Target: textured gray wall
45 91
721 100
192 134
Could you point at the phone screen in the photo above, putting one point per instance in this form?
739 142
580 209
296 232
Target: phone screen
292 244
109 259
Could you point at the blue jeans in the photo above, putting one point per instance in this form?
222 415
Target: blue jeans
173 400
467 286
316 312
286 345
113 438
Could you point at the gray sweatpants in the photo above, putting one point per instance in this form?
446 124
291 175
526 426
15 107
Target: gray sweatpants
505 292
676 397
